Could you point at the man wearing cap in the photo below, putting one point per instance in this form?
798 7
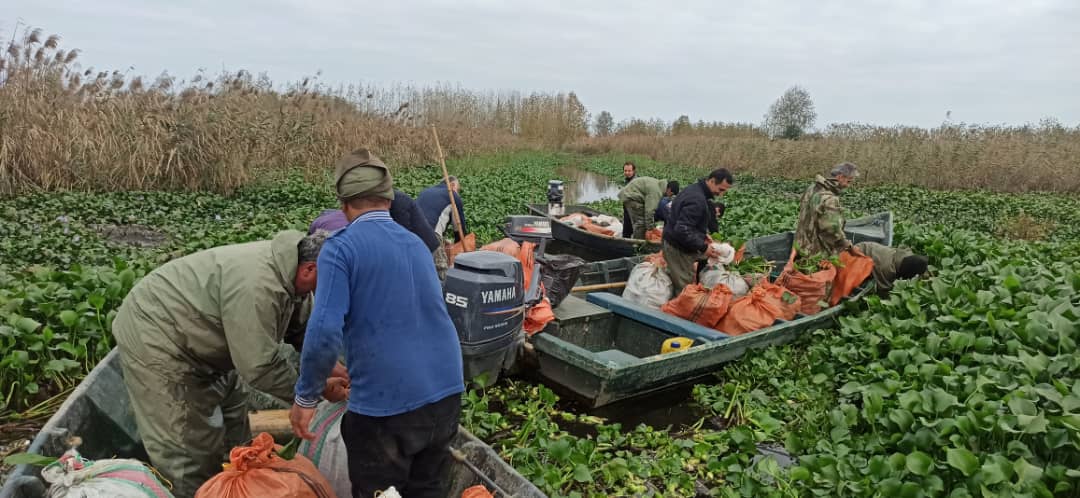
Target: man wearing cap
380 300
821 218
193 330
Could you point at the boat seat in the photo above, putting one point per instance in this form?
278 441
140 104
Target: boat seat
618 357
655 318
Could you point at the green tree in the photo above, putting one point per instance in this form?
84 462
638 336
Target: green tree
604 125
792 115
682 126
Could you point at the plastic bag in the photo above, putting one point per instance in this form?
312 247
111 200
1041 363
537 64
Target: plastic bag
616 229
854 270
505 246
700 305
812 289
256 471
74 476
605 220
559 272
718 275
727 254
648 285
327 451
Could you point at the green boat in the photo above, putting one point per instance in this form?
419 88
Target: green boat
99 412
603 348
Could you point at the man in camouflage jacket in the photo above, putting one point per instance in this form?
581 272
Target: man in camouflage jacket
821 218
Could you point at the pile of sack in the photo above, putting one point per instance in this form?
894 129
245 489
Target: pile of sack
737 304
601 224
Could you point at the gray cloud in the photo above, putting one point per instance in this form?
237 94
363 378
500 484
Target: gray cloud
882 62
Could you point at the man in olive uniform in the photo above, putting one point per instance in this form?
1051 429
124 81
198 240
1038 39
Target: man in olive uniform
891 264
821 218
640 199
192 330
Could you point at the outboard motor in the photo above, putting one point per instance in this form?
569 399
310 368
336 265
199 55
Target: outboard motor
485 298
555 197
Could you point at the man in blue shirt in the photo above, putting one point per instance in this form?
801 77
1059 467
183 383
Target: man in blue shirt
664 209
379 296
434 202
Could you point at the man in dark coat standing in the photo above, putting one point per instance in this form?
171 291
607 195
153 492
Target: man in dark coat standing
686 233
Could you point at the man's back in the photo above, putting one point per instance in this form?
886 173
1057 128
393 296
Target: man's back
434 202
821 220
377 284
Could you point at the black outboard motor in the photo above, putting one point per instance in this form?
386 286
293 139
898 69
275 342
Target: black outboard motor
485 298
555 198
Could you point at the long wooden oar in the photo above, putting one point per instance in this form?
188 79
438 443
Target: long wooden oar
596 287
450 191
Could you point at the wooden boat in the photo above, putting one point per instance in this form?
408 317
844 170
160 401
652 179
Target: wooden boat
99 412
603 348
587 245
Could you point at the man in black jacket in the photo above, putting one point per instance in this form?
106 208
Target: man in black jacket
686 234
403 210
629 171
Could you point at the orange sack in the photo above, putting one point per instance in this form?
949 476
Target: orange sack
854 270
466 244
654 235
257 471
478 491
700 305
505 246
597 229
759 309
786 301
812 289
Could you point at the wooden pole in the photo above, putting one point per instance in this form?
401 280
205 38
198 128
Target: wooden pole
450 191
589 288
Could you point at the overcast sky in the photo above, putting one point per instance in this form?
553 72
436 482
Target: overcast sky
882 62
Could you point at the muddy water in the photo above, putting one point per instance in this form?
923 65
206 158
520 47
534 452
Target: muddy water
585 186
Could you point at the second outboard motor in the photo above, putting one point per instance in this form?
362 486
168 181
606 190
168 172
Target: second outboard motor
555 197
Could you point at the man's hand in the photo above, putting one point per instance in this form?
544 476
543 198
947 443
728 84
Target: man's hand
340 372
300 418
855 251
337 389
712 252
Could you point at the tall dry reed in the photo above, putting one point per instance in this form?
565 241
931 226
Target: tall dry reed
1010 159
64 127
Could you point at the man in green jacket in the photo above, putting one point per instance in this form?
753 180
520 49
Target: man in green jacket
640 198
821 218
891 264
192 330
